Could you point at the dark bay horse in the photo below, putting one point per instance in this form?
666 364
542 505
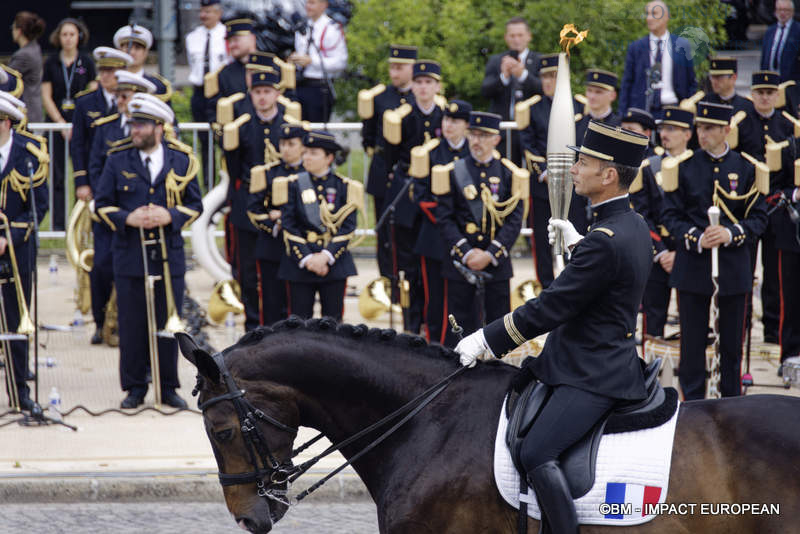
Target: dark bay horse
435 475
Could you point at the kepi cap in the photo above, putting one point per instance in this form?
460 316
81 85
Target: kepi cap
678 116
721 66
458 109
613 143
640 116
486 122
602 79
765 79
427 67
402 54
709 113
321 139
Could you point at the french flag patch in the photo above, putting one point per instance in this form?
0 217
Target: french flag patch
633 500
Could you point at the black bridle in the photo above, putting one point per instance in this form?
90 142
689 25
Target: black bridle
271 476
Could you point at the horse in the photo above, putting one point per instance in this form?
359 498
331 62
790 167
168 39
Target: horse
434 474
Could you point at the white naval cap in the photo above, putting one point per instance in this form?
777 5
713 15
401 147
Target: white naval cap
9 111
107 57
16 102
134 82
144 106
136 33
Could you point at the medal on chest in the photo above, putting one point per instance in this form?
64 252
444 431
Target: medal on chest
330 195
494 186
733 180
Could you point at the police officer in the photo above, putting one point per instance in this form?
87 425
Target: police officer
20 153
267 218
248 141
452 146
481 208
231 78
647 197
109 131
318 214
692 183
136 40
146 184
763 125
372 104
91 105
589 358
408 126
723 74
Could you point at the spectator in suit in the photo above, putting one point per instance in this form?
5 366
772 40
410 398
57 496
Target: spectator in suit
660 48
27 60
781 43
510 77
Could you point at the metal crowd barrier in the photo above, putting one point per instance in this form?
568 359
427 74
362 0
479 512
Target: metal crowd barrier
50 129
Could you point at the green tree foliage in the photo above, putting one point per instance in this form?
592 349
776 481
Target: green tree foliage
462 34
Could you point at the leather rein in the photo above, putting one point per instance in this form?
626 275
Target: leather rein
273 477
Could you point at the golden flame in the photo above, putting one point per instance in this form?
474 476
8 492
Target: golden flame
566 41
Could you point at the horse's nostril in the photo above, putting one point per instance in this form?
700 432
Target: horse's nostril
245 523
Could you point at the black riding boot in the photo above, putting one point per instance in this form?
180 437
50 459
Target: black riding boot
555 499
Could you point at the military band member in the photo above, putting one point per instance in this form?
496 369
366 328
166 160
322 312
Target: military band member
90 106
481 208
430 247
250 140
267 218
764 125
590 357
713 175
148 183
647 197
408 126
318 214
19 152
371 106
231 78
136 40
11 81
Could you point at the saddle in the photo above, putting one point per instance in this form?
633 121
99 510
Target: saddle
578 462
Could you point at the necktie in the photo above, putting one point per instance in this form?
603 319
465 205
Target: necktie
774 57
207 54
657 63
112 108
147 161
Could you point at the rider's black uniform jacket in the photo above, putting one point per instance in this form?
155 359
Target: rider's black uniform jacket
590 309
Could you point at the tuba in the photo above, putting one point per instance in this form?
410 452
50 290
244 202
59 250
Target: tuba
527 290
80 252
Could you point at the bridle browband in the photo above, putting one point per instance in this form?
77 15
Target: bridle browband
268 473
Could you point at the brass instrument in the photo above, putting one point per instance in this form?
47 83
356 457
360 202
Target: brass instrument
527 290
80 252
375 299
225 297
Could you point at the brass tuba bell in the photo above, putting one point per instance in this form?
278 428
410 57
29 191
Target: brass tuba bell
527 290
375 299
80 252
225 297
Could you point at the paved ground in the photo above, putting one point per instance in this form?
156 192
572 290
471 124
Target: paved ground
157 518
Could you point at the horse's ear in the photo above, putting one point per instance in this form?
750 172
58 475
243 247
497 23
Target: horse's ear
201 359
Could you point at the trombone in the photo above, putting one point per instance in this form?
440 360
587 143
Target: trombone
25 327
173 323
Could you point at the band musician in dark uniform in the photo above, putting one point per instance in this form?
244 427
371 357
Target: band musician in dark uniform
318 213
590 310
149 183
481 207
19 152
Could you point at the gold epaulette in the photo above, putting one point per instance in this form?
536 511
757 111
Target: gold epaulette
520 179
20 86
794 121
533 161
773 152
782 93
762 173
211 83
120 148
638 182
797 172
582 100
522 111
225 108
355 192
180 146
176 184
258 178
104 120
578 117
292 109
167 94
230 132
366 101
280 189
121 141
690 104
39 138
733 136
288 73
393 123
84 92
607 231
420 158
440 178
669 170
21 183
440 100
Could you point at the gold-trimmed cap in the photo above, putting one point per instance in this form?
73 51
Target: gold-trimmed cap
427 67
402 54
602 78
243 26
136 33
677 116
106 57
722 65
458 109
613 143
709 113
321 139
548 63
765 79
486 122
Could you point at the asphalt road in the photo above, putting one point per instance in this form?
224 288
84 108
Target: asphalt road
178 518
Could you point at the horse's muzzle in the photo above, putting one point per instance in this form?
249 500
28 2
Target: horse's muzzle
253 525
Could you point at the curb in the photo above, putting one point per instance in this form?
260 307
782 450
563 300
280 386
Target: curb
148 487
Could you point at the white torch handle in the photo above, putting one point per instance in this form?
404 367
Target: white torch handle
713 219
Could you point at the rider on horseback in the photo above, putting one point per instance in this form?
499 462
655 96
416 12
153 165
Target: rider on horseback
590 310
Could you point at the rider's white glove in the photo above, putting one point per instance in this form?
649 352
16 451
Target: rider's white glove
568 232
472 347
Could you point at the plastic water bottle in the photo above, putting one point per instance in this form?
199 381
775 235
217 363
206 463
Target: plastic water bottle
77 319
54 407
230 328
53 270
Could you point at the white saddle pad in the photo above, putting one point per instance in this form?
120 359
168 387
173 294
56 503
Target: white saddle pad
632 473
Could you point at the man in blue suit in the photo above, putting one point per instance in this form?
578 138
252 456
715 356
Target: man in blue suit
660 51
779 50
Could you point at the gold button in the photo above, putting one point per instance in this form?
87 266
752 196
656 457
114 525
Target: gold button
320 197
319 188
483 174
480 238
716 169
403 100
266 131
152 190
152 235
455 158
629 335
319 242
766 127
126 188
427 123
595 214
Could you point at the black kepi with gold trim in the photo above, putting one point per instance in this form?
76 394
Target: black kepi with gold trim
721 66
402 54
290 131
548 63
260 61
602 79
268 78
485 122
709 113
427 67
640 116
458 109
321 139
241 26
612 143
678 116
765 79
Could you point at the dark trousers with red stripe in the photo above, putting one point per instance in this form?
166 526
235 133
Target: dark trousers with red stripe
433 312
331 296
655 302
272 292
770 292
464 304
409 263
384 242
789 269
245 270
694 312
542 252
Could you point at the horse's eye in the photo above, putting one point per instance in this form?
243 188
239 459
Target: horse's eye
223 435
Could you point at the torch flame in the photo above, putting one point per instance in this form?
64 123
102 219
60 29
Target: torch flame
566 42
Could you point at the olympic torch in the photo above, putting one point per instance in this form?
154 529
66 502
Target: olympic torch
560 134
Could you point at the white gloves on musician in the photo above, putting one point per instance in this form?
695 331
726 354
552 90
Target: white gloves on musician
568 232
472 347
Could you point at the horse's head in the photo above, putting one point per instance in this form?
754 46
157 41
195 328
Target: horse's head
251 434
